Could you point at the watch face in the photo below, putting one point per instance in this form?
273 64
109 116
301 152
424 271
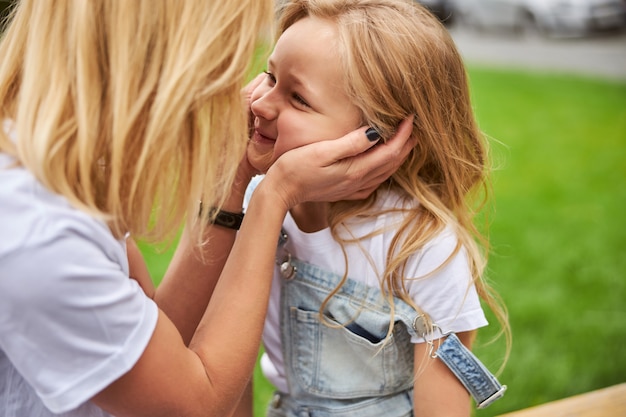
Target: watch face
226 219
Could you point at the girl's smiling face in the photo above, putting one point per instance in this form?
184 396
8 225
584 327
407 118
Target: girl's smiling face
303 99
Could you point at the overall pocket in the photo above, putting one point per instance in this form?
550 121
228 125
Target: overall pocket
334 362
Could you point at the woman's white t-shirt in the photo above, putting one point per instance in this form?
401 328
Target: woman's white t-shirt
71 320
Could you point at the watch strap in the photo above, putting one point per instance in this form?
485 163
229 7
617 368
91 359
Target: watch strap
226 219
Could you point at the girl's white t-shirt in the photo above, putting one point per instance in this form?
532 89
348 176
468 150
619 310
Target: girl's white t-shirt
71 320
448 295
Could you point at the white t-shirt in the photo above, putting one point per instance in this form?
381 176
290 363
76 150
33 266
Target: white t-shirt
71 320
448 296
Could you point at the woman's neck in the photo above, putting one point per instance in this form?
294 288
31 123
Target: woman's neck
311 217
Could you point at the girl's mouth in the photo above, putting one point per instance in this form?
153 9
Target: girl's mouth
260 138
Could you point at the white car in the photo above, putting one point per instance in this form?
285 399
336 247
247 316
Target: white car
552 17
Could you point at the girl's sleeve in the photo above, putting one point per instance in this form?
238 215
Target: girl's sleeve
447 294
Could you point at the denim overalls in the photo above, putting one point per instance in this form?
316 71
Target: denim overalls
344 364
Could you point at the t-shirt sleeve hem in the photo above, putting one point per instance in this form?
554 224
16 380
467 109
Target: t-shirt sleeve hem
470 320
109 371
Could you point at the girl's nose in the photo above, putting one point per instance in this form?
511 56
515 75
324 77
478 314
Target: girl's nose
264 106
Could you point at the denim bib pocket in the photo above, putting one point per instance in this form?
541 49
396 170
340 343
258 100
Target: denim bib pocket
334 362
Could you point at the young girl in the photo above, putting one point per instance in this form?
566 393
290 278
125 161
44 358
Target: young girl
367 294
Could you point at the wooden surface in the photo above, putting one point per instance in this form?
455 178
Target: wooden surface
606 402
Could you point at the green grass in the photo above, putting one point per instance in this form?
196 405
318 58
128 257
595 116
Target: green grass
558 234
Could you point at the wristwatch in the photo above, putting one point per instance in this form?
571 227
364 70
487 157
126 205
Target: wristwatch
225 218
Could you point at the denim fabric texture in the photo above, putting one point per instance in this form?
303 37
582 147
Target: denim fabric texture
400 405
341 364
476 378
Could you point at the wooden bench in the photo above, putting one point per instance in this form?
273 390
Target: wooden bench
606 402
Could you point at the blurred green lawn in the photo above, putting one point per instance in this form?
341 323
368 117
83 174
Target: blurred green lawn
558 234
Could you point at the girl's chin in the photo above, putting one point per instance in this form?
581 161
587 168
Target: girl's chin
261 159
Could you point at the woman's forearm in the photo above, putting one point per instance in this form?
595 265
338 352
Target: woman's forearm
232 325
193 272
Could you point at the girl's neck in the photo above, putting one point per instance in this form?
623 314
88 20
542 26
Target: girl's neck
311 216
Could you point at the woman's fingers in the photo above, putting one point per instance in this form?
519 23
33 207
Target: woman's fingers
345 168
389 156
246 92
249 88
369 168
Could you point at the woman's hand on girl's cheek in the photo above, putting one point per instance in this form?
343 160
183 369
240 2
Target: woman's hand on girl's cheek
246 93
339 169
246 171
383 160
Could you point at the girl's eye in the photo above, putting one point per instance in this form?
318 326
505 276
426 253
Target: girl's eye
296 97
270 77
300 100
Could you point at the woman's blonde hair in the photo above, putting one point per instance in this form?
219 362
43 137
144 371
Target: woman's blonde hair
130 109
399 60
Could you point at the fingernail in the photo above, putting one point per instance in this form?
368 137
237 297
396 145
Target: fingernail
372 134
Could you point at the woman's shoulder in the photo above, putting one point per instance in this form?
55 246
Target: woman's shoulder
31 216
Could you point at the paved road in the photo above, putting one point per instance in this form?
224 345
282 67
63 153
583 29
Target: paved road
601 56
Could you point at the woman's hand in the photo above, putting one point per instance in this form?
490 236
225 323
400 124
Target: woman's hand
247 99
349 168
245 171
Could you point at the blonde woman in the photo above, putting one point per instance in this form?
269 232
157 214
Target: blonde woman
118 118
371 299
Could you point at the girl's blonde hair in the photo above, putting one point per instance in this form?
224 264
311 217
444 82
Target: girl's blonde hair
130 109
399 60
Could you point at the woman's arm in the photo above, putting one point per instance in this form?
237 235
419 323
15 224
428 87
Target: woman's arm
437 391
190 280
245 407
137 268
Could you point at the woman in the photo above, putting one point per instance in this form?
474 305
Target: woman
118 118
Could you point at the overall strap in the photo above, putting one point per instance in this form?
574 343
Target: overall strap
482 385
479 382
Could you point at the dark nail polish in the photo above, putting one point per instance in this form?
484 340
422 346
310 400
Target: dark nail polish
372 134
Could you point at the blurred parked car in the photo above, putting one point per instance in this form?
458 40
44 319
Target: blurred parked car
440 8
550 17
